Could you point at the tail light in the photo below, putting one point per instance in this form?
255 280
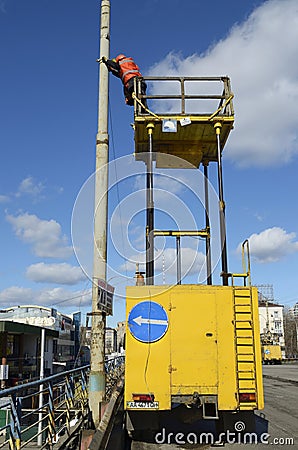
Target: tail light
143 397
247 397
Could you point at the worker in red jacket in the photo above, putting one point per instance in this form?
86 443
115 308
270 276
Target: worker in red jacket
125 68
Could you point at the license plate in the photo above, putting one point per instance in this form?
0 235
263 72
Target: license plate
142 405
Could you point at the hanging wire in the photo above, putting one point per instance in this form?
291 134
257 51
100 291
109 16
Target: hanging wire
117 185
70 298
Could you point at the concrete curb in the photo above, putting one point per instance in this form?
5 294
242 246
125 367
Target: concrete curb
102 434
285 380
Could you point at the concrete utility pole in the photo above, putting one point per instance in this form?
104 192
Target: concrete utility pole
97 375
41 376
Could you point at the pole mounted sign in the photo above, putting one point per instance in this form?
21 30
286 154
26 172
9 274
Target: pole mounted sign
148 322
105 297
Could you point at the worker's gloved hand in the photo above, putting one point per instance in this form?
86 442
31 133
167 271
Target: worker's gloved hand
104 59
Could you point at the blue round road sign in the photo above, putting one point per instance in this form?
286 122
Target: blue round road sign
148 321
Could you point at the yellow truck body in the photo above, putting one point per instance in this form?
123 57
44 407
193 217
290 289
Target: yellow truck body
188 341
271 354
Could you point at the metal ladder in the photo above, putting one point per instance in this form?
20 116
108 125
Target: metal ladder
244 335
244 344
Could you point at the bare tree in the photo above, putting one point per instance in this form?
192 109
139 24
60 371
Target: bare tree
290 327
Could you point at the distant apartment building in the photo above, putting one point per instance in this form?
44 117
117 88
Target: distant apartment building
294 311
59 352
120 336
110 341
271 321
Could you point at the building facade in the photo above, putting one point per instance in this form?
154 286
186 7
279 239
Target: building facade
271 322
120 336
20 350
294 311
111 345
60 351
110 341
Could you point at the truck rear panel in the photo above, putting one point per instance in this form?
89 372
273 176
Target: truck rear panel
193 342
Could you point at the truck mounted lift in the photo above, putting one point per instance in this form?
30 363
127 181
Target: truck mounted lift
192 350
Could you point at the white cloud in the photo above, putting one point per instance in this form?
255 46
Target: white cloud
161 181
137 237
271 245
30 187
58 297
4 199
3 6
15 295
55 273
191 261
260 56
45 236
259 217
166 261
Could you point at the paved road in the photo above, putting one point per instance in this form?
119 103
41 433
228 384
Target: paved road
280 409
284 371
281 412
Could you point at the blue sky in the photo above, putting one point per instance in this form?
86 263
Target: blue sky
48 116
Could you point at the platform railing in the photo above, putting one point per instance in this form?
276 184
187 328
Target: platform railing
246 275
176 92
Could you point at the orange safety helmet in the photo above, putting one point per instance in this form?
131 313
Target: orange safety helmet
119 57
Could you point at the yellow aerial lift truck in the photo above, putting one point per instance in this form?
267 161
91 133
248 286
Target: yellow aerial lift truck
271 350
193 355
271 353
